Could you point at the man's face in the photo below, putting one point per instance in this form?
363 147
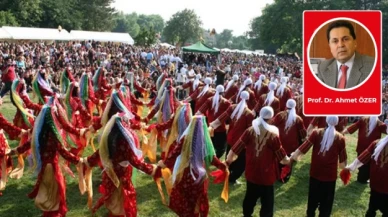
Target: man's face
342 45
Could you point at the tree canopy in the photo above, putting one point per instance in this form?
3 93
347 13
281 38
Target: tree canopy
280 25
154 21
126 23
279 28
183 26
89 15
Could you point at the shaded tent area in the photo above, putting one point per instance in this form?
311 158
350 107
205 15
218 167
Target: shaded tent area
46 34
288 55
4 35
102 36
199 47
29 33
166 45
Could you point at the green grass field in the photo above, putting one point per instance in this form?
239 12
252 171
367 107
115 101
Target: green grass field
290 198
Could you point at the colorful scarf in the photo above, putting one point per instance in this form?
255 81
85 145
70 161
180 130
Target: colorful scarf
197 151
105 146
18 102
37 82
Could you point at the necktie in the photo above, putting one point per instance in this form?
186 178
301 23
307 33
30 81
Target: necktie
342 81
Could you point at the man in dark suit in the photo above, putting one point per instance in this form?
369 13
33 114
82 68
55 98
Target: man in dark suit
348 68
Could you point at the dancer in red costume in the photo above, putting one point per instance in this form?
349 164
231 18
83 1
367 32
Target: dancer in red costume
194 154
369 129
247 86
47 145
101 87
240 117
231 87
6 161
213 108
329 152
292 132
41 87
118 152
261 87
283 93
264 151
268 99
20 99
376 155
201 94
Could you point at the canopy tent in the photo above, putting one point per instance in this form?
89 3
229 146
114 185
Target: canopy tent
199 47
4 34
102 36
28 33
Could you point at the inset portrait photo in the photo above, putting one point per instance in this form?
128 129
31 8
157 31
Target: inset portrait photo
342 62
342 54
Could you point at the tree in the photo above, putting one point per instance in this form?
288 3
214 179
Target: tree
240 42
146 37
280 24
288 20
60 12
27 12
7 19
183 26
154 20
97 14
384 8
223 38
126 23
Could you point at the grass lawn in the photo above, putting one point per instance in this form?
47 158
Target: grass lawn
290 198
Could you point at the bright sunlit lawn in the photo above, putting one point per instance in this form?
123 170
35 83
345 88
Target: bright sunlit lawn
290 198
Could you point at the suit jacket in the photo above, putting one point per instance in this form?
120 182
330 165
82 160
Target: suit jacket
362 67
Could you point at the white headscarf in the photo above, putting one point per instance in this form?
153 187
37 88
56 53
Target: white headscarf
283 86
270 94
265 113
231 82
372 124
196 81
246 83
291 113
328 136
207 81
241 106
216 98
381 144
259 82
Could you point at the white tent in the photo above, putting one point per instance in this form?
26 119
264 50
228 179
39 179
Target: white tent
102 36
167 45
4 34
27 33
247 52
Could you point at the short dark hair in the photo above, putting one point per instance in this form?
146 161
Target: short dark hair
340 23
